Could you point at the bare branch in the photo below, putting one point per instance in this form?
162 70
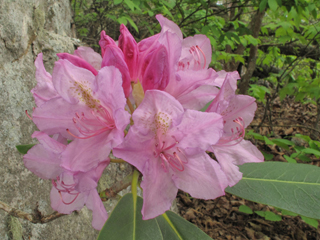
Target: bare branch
35 217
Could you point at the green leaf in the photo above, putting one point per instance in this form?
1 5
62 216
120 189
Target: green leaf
206 106
245 209
132 23
116 2
130 4
271 216
261 213
122 20
289 186
273 4
125 222
263 5
289 159
288 213
310 221
311 151
24 148
267 156
268 141
174 227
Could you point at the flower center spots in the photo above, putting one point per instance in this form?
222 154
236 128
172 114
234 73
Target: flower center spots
66 188
83 93
162 123
196 53
102 121
237 134
170 155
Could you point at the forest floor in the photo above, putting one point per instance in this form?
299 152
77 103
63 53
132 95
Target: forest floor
221 218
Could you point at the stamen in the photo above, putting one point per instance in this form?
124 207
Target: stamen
237 135
28 115
204 56
68 202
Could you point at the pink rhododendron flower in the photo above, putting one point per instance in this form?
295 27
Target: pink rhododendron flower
71 190
167 145
237 112
190 81
89 109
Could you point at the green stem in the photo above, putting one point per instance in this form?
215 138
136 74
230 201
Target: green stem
134 184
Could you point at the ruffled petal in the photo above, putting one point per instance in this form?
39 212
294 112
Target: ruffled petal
198 129
99 213
196 52
85 154
230 156
77 61
198 98
159 190
44 91
74 84
44 158
114 57
56 115
202 177
90 56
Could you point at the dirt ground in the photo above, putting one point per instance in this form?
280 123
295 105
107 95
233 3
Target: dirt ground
221 218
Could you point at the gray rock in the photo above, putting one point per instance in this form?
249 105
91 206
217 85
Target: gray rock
28 27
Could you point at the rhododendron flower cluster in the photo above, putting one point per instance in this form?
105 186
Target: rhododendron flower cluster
154 88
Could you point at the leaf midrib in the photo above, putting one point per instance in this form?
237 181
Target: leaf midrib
280 181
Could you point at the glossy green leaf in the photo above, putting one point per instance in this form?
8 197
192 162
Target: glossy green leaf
174 227
125 222
24 148
289 186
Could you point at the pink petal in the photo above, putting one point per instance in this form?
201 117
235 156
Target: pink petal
189 80
156 75
90 56
84 154
202 177
77 61
198 98
55 116
230 156
73 83
169 26
44 158
86 181
59 206
129 47
196 51
44 91
159 190
105 40
99 213
133 148
198 129
114 57
154 104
